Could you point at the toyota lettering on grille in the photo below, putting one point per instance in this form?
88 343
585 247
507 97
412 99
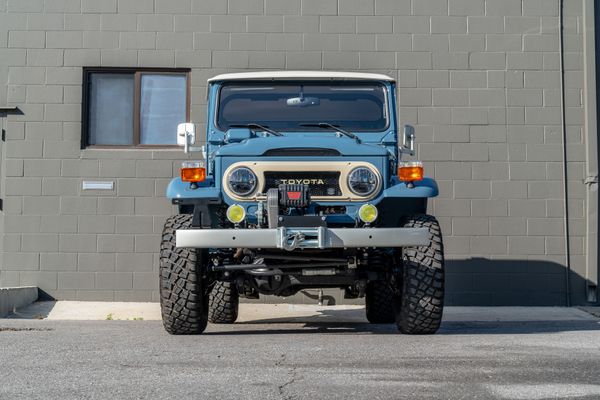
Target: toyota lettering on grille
300 181
320 183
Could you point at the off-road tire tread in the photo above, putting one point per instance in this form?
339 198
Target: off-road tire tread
223 303
184 303
422 300
379 303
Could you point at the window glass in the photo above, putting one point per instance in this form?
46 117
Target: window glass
133 107
162 107
111 109
286 106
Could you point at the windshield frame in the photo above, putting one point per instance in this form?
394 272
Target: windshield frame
382 85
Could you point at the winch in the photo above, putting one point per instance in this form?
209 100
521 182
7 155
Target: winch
294 195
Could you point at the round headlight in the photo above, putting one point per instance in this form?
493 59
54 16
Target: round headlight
242 181
362 181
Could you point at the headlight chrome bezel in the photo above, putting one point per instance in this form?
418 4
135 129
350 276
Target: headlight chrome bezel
253 181
373 181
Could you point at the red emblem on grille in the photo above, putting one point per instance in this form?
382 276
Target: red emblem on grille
293 195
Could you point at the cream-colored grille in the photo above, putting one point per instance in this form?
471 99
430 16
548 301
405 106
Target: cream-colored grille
343 167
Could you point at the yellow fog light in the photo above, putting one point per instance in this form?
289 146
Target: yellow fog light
367 213
236 213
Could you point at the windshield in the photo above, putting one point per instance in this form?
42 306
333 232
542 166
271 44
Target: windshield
285 106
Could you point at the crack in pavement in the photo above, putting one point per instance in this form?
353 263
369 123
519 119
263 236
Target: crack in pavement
293 375
18 329
282 358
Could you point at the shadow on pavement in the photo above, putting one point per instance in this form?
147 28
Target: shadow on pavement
352 321
447 328
37 310
515 327
304 328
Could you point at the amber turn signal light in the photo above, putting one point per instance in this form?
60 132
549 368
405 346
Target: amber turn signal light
193 172
410 171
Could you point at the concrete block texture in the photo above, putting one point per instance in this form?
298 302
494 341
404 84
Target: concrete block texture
479 80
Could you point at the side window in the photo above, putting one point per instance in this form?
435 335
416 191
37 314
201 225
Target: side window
133 107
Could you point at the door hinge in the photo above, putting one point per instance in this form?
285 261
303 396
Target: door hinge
4 135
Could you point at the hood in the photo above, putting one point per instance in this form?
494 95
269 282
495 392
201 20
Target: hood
298 143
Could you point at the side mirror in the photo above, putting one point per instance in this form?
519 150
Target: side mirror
408 140
186 135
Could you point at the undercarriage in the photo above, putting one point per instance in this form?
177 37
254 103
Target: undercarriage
282 273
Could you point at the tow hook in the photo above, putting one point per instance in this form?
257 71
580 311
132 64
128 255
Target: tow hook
296 239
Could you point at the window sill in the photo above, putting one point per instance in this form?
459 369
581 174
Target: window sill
141 147
132 153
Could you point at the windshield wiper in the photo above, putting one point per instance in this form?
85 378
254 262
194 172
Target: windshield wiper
254 126
326 125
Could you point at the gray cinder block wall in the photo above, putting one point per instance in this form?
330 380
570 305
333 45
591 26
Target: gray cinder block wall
478 78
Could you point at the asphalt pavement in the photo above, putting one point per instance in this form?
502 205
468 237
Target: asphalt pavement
481 354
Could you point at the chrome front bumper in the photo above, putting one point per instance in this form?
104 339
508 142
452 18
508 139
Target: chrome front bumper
302 238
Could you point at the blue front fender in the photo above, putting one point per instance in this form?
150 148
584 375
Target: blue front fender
178 189
425 188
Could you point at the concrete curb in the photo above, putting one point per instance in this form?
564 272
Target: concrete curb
16 297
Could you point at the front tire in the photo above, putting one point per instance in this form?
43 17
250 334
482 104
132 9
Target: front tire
183 297
224 303
422 301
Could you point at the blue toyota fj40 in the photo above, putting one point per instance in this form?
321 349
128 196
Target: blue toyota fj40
302 186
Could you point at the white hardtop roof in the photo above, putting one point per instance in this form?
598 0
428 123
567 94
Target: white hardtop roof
299 75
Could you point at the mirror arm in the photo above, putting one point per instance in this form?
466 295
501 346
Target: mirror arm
187 148
408 140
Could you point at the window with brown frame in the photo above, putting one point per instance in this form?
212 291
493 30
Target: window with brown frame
134 107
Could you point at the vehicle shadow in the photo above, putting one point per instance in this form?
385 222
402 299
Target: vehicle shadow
353 321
